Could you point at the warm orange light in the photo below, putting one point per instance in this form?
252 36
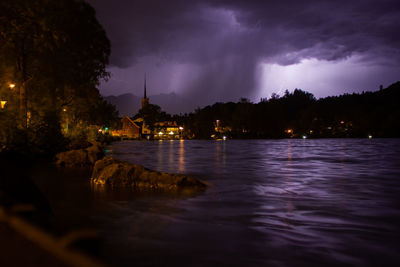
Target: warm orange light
3 103
289 131
160 133
341 122
64 109
11 85
171 132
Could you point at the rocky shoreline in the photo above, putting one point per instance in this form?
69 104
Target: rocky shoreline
108 171
118 173
85 157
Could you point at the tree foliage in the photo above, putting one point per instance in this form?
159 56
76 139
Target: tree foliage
56 53
349 115
151 114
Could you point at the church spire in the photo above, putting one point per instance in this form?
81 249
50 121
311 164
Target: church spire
145 100
145 95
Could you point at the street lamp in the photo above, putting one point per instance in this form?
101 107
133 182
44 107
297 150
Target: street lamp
3 104
66 120
180 132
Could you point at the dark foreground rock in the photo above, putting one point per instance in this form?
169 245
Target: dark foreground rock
109 171
80 157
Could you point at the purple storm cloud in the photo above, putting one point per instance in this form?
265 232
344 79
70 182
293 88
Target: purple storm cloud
221 50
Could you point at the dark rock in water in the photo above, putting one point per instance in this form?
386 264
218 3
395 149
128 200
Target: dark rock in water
95 152
80 157
109 171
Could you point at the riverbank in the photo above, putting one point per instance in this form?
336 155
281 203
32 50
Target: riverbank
44 189
18 251
29 228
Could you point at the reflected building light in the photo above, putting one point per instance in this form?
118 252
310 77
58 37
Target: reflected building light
181 156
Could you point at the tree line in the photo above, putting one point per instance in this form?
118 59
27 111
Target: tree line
300 114
296 114
53 54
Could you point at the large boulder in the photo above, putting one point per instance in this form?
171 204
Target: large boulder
95 152
80 157
110 171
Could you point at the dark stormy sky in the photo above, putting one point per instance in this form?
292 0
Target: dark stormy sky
221 50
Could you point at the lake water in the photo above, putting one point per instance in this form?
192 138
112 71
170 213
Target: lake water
270 203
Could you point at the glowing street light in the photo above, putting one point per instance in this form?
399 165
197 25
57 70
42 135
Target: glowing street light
3 104
181 128
171 133
11 85
67 121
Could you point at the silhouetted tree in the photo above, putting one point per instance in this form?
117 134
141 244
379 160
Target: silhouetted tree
55 52
151 114
349 115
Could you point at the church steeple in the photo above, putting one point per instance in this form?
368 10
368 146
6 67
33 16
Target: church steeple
145 100
145 96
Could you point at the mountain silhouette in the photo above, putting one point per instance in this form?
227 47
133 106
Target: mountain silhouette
129 104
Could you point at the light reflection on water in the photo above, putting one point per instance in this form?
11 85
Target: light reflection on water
280 202
270 203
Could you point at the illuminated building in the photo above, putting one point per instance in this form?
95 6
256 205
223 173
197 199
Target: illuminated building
167 130
129 128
